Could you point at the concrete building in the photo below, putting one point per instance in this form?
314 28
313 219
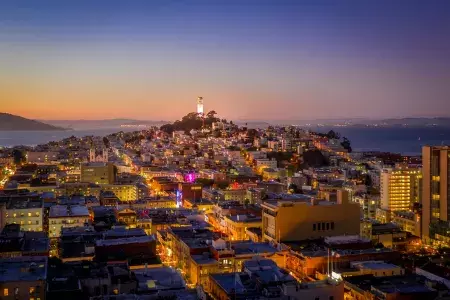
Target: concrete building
41 157
27 212
23 278
232 195
266 163
236 226
408 221
66 216
308 218
436 194
399 188
125 192
98 173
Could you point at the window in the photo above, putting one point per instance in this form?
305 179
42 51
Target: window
331 297
332 225
328 226
314 227
5 292
32 290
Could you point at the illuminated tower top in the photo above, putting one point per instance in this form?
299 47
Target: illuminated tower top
200 105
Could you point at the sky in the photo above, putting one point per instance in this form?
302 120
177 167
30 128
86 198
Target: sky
260 60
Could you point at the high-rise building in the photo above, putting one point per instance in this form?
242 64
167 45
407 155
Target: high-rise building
200 105
436 194
399 188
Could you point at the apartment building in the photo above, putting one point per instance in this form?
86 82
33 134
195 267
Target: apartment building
62 216
28 212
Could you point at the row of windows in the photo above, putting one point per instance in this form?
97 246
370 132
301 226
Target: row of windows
29 223
23 215
321 226
32 291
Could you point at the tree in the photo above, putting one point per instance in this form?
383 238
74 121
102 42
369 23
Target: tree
222 184
333 135
205 182
167 128
106 142
211 114
18 156
293 187
368 180
346 144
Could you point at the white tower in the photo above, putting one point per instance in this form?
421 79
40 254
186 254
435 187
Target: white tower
200 105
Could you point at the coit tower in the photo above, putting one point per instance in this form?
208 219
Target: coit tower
200 105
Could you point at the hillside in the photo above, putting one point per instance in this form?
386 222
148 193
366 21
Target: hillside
10 122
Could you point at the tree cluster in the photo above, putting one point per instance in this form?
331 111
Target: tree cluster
192 121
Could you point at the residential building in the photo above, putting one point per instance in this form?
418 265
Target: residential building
28 212
236 225
125 192
41 157
66 216
392 287
23 278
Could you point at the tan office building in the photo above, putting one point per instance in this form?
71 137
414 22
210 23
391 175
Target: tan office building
98 173
309 218
435 194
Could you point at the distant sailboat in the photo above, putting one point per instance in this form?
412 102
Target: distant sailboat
418 138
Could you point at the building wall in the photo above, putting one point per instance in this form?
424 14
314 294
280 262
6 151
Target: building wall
55 224
125 192
237 230
22 290
41 157
30 219
303 221
99 174
399 188
323 291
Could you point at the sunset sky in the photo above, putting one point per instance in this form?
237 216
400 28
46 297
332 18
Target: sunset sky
249 59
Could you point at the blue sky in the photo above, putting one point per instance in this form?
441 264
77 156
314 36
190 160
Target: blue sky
248 59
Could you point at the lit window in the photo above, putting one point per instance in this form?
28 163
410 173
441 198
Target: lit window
29 214
5 292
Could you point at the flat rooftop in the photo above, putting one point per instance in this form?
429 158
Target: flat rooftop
249 247
406 284
61 211
23 269
24 203
154 279
122 241
374 265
